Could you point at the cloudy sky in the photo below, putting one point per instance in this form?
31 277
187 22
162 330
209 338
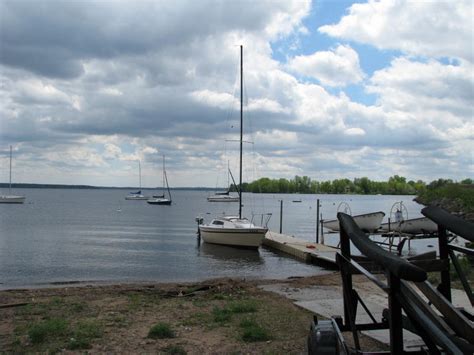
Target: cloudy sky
333 89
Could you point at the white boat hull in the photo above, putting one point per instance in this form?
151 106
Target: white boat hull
136 197
245 237
368 222
223 199
12 199
422 225
159 201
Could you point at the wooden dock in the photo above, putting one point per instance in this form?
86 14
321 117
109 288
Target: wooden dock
308 252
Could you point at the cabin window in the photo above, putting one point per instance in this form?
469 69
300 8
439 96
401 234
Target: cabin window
219 223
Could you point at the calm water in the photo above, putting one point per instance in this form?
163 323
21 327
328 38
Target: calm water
80 235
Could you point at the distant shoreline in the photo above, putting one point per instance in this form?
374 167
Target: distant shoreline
90 187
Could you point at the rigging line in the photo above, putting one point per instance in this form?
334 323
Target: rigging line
251 173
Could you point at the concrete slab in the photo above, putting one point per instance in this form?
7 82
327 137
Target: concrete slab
327 301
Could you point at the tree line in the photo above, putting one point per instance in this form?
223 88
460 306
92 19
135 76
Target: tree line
396 185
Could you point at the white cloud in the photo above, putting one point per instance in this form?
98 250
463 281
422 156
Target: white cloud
105 93
215 99
266 105
428 28
338 67
426 93
354 131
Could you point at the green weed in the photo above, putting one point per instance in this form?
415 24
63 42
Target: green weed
253 332
161 331
48 329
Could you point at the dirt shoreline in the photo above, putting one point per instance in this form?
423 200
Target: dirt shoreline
209 317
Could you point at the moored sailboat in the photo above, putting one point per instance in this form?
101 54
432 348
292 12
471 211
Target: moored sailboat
235 231
11 198
138 194
224 196
161 199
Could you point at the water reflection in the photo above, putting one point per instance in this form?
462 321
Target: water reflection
222 252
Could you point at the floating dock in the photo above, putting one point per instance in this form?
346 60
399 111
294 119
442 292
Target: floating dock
309 252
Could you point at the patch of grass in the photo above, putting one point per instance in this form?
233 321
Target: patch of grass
221 315
134 301
88 328
174 349
119 320
252 331
245 306
83 334
76 344
161 331
77 307
48 329
56 301
220 296
200 303
196 319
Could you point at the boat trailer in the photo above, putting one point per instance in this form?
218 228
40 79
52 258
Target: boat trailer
442 327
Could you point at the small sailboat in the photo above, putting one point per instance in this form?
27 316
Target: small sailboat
161 199
11 198
234 231
224 196
138 194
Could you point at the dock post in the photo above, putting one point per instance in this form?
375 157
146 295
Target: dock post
281 215
322 233
317 220
199 221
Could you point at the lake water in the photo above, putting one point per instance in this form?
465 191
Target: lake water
62 235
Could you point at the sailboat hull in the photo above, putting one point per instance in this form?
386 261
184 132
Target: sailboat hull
368 222
422 225
12 199
136 197
244 238
159 201
223 198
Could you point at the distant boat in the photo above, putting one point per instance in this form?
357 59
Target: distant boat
368 222
224 196
11 198
235 231
138 194
161 199
422 225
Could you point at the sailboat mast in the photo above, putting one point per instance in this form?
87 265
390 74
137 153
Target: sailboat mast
241 125
139 175
10 170
163 173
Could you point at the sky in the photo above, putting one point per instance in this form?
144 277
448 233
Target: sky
332 89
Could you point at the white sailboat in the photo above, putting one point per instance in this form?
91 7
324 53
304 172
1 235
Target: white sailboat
234 230
224 196
161 199
11 198
138 194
